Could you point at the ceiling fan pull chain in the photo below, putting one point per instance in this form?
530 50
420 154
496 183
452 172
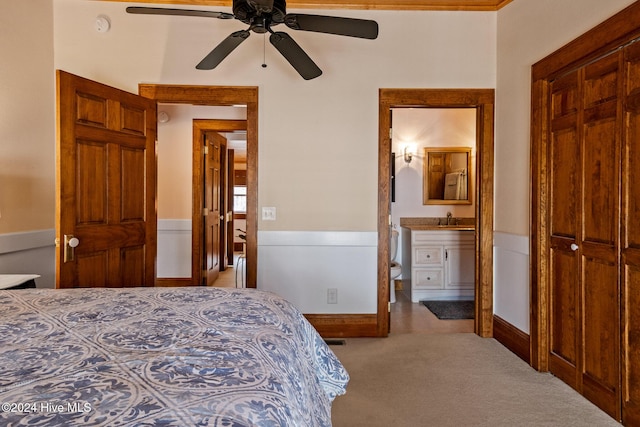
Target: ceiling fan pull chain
264 50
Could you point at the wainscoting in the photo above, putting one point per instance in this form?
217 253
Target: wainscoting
303 265
174 248
511 279
30 252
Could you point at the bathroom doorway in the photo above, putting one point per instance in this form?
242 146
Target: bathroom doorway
427 146
482 101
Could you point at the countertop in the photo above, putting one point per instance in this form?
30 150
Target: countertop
434 223
440 227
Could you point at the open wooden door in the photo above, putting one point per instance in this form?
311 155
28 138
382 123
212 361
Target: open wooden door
231 171
214 210
106 186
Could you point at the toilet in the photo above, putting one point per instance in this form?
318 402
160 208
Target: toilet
395 269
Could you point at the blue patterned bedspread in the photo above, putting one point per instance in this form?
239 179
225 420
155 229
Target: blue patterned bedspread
162 357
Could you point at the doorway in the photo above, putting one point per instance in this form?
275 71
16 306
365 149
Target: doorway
201 248
438 141
483 102
223 96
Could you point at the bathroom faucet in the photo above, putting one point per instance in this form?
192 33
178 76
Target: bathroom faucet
449 218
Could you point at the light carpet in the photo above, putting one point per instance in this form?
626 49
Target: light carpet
452 380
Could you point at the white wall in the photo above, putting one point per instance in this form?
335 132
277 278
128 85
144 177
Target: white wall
318 139
528 31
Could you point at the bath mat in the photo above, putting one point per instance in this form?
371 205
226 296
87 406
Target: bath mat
450 310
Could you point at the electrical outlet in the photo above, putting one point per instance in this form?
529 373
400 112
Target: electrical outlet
332 296
268 214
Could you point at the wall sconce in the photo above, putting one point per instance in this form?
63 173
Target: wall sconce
408 155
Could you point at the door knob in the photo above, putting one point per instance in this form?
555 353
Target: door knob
70 243
574 247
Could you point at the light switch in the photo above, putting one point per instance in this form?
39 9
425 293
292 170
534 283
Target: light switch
268 214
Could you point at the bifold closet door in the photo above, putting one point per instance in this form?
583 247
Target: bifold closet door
584 179
599 248
631 240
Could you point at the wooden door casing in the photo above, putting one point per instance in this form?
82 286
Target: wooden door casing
106 185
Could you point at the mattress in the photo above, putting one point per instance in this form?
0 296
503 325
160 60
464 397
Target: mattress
194 356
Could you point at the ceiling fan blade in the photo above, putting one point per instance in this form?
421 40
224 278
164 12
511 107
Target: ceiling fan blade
295 55
362 28
180 12
221 51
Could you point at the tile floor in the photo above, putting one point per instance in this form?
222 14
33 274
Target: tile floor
408 317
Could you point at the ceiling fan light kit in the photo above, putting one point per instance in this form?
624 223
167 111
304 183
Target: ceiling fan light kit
261 16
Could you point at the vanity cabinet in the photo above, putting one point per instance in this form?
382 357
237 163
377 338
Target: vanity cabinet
438 264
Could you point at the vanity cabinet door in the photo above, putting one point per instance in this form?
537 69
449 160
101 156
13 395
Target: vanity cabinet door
459 267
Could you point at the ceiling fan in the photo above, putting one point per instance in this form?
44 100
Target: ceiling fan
261 16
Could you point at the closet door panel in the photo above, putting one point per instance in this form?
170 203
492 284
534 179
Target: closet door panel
600 177
631 240
631 343
600 172
564 317
564 204
601 340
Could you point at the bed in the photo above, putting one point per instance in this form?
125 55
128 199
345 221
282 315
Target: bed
195 356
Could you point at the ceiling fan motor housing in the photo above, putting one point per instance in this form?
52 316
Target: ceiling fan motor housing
271 10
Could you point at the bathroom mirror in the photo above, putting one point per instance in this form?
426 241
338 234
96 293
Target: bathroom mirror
446 176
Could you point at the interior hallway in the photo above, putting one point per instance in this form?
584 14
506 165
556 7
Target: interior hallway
227 278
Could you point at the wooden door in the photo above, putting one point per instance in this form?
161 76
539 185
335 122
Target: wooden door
106 186
630 242
599 245
215 145
584 182
231 172
564 206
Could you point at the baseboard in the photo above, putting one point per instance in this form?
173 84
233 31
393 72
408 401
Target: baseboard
344 325
173 282
512 338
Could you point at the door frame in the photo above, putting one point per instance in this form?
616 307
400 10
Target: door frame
483 101
225 96
605 37
200 126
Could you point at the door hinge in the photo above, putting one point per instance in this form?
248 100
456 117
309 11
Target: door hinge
390 133
389 306
206 150
205 212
